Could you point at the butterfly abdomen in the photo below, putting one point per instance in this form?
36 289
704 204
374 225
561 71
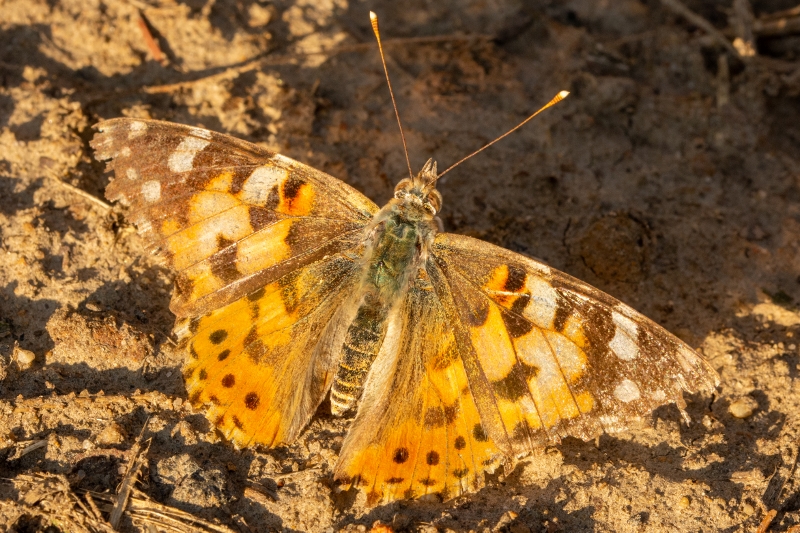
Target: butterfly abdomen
361 345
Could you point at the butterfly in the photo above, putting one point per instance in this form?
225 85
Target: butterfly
456 355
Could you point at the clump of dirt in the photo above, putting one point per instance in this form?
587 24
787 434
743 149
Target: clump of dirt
670 178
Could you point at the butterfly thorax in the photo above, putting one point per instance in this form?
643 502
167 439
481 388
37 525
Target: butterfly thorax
396 245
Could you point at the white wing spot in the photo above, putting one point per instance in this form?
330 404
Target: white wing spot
151 191
181 159
200 132
627 391
136 129
132 173
541 308
624 344
125 152
256 188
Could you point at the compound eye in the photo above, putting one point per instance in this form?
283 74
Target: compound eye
434 201
403 185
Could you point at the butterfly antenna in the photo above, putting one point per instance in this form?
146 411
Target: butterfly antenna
374 19
556 99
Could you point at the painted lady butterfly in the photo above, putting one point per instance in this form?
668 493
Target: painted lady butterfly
457 354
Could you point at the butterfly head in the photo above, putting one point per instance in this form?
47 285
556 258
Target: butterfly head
420 192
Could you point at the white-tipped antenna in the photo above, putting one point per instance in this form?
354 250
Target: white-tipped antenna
556 99
374 19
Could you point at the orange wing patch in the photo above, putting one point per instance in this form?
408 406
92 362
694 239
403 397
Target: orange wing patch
433 442
247 358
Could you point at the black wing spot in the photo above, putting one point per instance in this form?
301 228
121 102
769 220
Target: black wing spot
479 434
428 482
400 455
223 355
395 480
228 381
291 188
461 443
213 399
237 422
432 458
218 336
461 472
251 401
515 280
202 375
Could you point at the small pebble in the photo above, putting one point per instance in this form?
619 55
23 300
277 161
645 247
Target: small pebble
380 527
684 502
506 519
748 509
93 306
258 15
112 434
743 407
24 357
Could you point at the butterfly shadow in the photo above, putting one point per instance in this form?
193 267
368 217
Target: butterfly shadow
710 452
489 507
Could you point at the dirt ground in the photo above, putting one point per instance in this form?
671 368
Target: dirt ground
670 178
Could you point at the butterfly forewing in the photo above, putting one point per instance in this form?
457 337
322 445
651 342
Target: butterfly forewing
555 357
265 251
213 204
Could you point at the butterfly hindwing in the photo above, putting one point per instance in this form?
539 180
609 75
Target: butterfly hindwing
554 357
418 431
258 363
228 215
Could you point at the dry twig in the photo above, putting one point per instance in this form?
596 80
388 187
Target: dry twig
137 459
677 7
150 41
774 27
83 193
744 42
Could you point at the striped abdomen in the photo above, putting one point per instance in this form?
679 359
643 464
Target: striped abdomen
362 343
